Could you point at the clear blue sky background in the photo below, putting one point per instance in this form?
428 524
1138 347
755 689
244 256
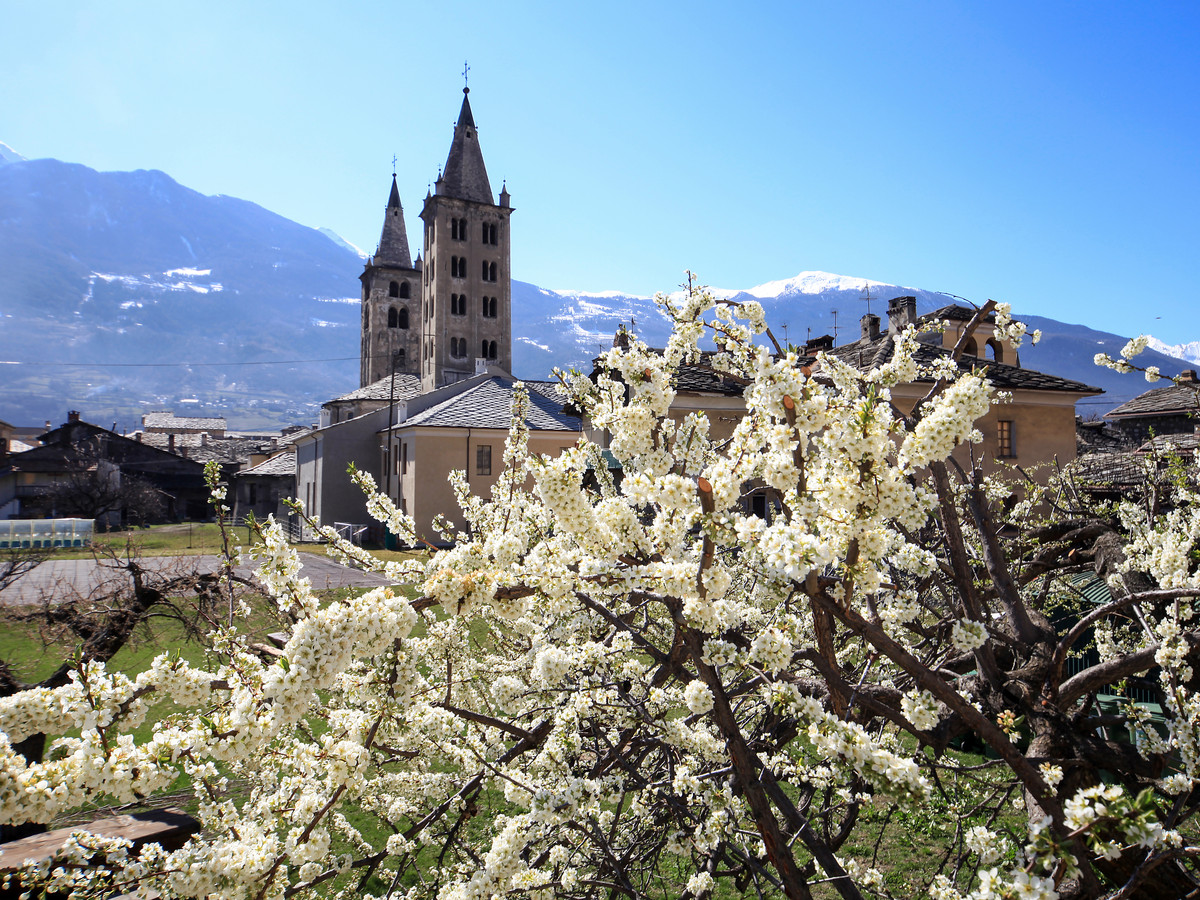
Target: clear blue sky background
1042 153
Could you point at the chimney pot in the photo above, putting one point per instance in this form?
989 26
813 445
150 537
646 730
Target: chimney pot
902 312
870 327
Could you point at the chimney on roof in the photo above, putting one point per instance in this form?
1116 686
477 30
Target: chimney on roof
902 312
204 439
1188 376
73 416
621 338
870 327
170 443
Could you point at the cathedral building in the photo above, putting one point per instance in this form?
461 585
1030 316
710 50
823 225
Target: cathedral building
435 389
447 316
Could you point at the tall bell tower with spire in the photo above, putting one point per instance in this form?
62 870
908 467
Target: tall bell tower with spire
391 302
466 283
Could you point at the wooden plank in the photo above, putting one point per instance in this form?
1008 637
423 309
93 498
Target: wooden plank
169 827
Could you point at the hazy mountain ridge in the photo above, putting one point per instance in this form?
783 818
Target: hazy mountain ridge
123 292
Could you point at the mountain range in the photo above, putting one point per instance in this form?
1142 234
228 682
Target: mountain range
126 292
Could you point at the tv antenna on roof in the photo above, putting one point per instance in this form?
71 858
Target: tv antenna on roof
866 292
835 312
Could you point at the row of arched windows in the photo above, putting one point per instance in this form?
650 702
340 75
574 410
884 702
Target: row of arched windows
489 307
398 289
458 304
489 271
994 350
458 348
397 318
458 267
488 233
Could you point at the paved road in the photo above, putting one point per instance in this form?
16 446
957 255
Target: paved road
65 578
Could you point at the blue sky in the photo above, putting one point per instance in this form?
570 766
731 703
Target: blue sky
1040 153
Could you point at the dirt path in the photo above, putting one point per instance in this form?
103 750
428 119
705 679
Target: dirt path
72 577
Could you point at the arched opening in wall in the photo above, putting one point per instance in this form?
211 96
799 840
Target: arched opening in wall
491 350
404 291
398 360
491 307
995 350
402 319
393 289
391 317
971 348
492 272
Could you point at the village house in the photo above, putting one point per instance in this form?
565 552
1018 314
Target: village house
1035 426
1173 408
78 448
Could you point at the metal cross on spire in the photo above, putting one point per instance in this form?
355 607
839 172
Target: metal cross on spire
466 69
393 163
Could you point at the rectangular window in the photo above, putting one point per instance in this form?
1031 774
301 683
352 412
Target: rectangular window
404 458
483 459
1005 448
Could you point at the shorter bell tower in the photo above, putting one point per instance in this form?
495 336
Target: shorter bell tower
391 302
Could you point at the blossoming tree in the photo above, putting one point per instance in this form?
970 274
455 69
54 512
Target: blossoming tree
630 686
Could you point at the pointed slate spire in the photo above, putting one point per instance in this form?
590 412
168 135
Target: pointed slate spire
393 242
465 176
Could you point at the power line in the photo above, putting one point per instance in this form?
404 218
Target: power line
265 362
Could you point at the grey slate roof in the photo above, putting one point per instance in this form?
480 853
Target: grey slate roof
170 420
465 176
488 405
393 242
701 378
406 386
277 466
869 354
1172 399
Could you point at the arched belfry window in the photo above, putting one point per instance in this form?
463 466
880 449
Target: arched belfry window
393 289
404 291
492 272
402 319
995 350
391 317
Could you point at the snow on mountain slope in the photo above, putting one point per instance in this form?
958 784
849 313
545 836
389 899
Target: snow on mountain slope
1189 351
9 155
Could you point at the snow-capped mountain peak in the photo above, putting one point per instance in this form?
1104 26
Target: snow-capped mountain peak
9 155
343 243
1189 351
812 283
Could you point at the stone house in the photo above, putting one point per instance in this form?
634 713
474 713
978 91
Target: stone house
1171 409
76 446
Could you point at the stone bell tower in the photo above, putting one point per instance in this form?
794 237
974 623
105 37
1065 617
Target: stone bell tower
466 283
391 302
